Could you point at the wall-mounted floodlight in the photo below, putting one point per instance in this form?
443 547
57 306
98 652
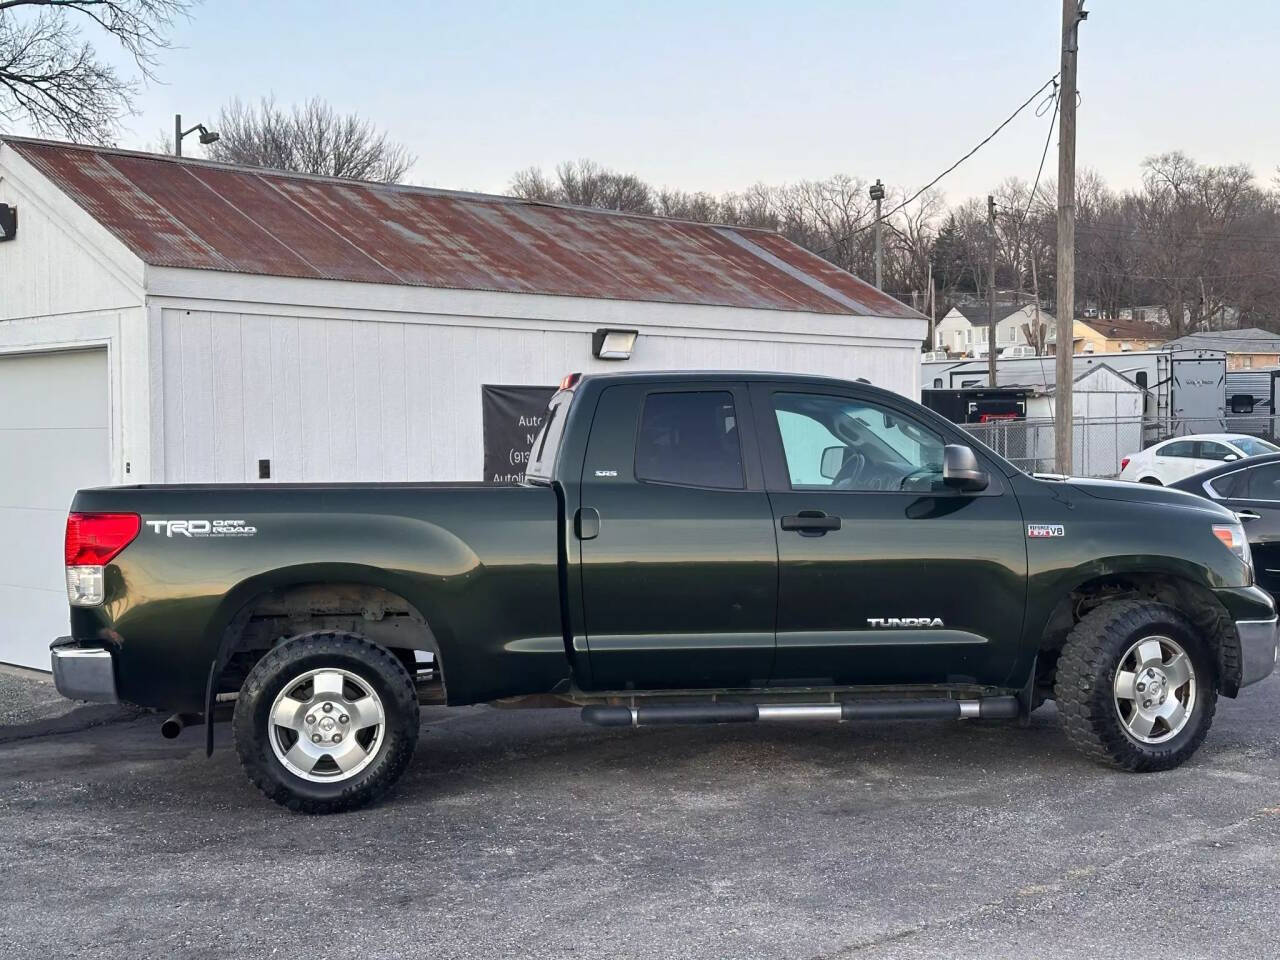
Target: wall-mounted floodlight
613 344
8 222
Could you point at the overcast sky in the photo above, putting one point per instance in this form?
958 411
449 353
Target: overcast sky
716 96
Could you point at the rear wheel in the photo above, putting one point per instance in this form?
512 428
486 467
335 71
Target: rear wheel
326 722
1151 480
1136 687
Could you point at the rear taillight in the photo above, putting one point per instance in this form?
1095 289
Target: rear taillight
93 539
1124 462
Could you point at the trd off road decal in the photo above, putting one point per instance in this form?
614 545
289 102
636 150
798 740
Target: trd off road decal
202 528
1037 530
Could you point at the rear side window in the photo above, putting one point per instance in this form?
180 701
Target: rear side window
542 457
1179 448
1232 485
690 439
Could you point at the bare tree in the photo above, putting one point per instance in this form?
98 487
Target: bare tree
584 183
308 138
54 81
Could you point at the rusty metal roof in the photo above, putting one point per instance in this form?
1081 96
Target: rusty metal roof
196 214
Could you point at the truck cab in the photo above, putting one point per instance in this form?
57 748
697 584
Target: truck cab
801 533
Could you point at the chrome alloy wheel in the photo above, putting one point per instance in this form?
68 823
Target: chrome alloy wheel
1155 690
326 725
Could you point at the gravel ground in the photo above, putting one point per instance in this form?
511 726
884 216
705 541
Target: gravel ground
528 834
27 696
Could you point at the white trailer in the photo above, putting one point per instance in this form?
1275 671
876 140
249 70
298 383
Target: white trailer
1184 390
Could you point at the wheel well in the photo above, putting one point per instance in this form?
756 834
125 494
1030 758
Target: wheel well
383 617
1197 603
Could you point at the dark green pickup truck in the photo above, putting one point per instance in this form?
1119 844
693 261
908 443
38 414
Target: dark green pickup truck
688 548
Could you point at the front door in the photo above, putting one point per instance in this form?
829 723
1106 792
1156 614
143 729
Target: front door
885 575
679 561
1254 494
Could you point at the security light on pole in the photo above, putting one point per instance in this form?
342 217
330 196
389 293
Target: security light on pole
207 136
877 194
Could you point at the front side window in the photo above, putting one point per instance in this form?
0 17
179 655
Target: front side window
1215 451
835 443
690 439
1264 483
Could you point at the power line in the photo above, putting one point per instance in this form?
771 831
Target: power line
1124 275
989 137
1031 197
1137 234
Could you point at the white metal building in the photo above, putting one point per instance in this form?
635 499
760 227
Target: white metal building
167 320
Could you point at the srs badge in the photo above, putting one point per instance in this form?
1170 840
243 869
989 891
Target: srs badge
1037 530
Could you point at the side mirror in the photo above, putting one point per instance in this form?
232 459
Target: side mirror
1230 457
832 462
960 469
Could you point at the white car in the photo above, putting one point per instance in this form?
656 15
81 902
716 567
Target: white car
1171 460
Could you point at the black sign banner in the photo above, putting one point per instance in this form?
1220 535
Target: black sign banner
512 417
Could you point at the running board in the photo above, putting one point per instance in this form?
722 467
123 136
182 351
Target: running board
997 708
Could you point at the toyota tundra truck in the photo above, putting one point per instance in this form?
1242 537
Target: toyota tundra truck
686 548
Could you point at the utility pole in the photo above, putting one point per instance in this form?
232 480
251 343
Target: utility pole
928 303
877 194
1041 334
1072 13
991 292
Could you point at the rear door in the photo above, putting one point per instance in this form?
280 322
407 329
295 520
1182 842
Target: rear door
1176 460
679 559
885 575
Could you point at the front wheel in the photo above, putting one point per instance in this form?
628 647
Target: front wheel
326 722
1136 687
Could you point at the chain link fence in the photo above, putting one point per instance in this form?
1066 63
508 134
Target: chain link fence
1099 445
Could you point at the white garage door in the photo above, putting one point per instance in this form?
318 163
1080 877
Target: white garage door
54 439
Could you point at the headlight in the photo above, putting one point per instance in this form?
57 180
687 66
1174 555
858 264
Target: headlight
1232 537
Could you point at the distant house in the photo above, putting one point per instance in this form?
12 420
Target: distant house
1116 336
963 330
1245 349
1156 313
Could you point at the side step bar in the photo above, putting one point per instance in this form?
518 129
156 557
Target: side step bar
998 708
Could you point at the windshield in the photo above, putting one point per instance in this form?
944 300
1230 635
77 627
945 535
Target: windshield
1252 446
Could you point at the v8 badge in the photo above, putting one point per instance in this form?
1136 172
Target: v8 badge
1038 530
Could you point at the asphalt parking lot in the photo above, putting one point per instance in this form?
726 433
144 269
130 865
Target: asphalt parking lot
529 834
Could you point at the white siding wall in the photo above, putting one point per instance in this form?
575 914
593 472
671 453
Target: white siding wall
399 399
62 262
67 283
